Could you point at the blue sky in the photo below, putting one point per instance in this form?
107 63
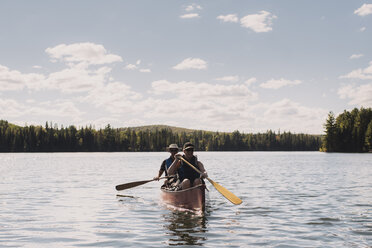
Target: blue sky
212 65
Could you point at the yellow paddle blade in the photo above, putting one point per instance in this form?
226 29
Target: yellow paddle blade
227 194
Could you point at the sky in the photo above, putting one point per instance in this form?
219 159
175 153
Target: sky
247 65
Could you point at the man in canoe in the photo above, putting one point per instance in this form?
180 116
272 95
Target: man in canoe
173 149
188 177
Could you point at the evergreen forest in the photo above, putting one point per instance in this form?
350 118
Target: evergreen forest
51 138
349 131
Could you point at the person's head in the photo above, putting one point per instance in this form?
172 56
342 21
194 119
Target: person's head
188 149
173 149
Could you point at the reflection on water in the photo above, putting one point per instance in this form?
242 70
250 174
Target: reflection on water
186 227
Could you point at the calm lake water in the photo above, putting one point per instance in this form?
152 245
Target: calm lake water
290 199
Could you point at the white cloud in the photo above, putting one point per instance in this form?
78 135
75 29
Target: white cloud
228 79
250 81
207 103
87 52
356 56
10 108
37 67
65 108
364 10
228 108
15 80
368 70
191 63
228 18
362 29
137 66
77 79
365 73
293 116
115 97
189 16
278 83
358 95
130 67
260 22
193 7
202 90
357 74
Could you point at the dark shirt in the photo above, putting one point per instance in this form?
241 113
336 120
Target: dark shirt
185 171
166 164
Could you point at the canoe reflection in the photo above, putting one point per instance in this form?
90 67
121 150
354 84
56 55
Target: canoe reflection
186 228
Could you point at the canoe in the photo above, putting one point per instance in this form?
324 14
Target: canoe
192 198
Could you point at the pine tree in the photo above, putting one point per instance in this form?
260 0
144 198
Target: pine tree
329 143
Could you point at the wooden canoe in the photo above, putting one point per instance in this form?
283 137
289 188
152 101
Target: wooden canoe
192 198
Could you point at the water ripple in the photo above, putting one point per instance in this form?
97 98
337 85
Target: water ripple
289 200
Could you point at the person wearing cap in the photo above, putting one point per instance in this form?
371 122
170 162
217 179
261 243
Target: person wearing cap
173 149
187 175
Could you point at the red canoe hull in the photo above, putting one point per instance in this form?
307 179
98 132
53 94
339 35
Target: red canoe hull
192 198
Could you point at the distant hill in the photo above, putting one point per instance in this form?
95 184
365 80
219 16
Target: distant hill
152 128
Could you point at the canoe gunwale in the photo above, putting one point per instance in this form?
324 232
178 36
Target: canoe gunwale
183 190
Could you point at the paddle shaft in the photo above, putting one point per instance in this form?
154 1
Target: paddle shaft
187 162
134 184
227 194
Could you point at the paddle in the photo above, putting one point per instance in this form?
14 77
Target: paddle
227 194
134 184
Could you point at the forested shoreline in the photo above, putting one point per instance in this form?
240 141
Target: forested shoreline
51 138
350 131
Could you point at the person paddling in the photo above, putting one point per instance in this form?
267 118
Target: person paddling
173 149
187 175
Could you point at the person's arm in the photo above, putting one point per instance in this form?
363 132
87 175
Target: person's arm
202 170
172 170
160 173
162 169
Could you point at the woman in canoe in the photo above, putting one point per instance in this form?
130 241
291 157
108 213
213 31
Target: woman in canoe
188 177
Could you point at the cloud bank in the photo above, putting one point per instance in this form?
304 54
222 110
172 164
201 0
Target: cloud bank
279 83
360 73
85 92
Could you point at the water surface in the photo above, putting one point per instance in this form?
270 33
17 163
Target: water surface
290 199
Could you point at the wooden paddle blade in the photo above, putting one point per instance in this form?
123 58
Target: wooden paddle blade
131 185
227 194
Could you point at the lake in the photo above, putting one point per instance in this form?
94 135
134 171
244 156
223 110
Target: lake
290 199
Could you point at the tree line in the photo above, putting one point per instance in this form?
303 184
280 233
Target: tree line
51 138
349 131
